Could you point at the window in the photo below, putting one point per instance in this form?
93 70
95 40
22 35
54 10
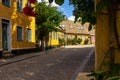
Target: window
56 36
19 5
76 36
53 35
80 27
66 36
6 2
19 33
71 27
5 21
70 36
29 34
83 37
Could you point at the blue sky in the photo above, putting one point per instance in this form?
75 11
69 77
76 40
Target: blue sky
66 8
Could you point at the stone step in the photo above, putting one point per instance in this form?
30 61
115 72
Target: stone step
83 76
7 54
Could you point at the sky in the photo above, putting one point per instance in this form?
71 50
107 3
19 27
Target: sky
67 9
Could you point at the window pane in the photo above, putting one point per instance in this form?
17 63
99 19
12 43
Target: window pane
19 5
6 2
19 33
29 34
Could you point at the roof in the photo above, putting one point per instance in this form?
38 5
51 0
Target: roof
76 28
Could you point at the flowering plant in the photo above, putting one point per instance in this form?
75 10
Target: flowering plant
28 10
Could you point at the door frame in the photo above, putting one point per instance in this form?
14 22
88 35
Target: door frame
9 44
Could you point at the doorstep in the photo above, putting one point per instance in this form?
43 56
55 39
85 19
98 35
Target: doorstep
83 76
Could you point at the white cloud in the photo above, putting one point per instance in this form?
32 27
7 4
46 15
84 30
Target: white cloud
62 9
72 18
42 0
54 4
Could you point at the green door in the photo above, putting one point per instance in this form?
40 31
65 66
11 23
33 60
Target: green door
4 36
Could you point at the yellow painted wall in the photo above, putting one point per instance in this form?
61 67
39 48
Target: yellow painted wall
18 18
53 39
103 37
117 53
0 35
61 34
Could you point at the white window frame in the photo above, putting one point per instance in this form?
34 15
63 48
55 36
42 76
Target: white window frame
70 37
71 27
30 34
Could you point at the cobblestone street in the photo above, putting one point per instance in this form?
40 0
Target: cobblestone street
63 64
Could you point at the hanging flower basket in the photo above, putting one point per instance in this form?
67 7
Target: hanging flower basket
33 1
29 11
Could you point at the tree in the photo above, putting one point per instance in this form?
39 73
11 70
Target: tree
47 20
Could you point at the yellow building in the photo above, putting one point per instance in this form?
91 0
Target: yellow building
55 36
17 31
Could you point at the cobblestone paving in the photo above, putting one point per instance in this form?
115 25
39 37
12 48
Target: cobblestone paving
59 65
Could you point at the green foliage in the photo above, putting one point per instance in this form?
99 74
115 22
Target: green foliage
86 41
115 69
79 40
48 19
73 41
69 41
99 75
114 78
102 4
61 41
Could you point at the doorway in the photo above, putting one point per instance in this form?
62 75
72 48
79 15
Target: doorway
5 34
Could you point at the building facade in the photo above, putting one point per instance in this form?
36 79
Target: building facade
17 31
78 31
